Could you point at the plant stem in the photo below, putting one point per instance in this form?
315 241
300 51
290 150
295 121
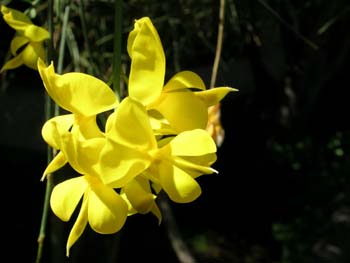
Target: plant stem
117 54
50 152
218 43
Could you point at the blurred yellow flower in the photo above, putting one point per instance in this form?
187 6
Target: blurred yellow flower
27 45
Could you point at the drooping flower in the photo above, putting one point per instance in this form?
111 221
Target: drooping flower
79 141
84 96
27 46
183 101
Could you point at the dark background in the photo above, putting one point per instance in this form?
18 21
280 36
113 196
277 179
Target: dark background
282 192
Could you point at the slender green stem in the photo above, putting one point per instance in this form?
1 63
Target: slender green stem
50 153
117 54
93 69
63 41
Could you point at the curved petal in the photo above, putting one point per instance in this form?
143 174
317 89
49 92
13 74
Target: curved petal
88 127
58 162
31 53
53 129
16 43
139 194
130 126
119 164
192 143
21 23
184 79
13 63
77 92
107 211
36 33
79 225
196 166
65 197
147 70
213 96
179 185
183 110
15 19
88 153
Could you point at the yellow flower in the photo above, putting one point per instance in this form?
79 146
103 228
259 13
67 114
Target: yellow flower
80 141
29 38
182 108
84 96
102 207
131 150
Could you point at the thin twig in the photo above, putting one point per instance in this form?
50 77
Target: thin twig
180 248
50 153
218 43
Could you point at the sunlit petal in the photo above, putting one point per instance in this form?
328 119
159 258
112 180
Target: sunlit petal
53 129
107 210
77 92
119 164
147 68
179 185
66 195
213 96
192 143
183 110
57 162
131 126
79 225
139 194
184 79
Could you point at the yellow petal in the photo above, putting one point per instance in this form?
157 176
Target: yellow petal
156 211
213 96
79 225
13 63
131 127
184 79
139 194
147 70
119 164
87 154
129 140
66 195
15 19
192 143
107 211
196 166
77 92
58 162
53 129
183 110
179 185
16 43
31 53
21 23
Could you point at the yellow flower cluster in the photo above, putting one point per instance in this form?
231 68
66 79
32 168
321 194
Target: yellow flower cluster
154 140
27 45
